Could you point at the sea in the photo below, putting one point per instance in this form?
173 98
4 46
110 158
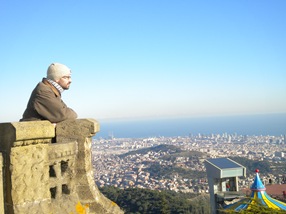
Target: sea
259 125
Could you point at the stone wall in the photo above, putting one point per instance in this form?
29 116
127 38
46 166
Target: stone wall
48 169
1 185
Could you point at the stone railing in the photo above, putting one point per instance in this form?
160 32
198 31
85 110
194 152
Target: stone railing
1 185
48 169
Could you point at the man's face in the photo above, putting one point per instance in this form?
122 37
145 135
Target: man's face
65 82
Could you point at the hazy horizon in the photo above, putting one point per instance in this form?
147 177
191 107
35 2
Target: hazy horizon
263 124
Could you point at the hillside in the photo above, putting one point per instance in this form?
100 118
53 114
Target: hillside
170 171
169 165
160 148
263 166
135 200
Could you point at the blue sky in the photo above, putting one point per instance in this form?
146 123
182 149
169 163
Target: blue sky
147 58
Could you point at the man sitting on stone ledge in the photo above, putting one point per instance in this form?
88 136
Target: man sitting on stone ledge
45 102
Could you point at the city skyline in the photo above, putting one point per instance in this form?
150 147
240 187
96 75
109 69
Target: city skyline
146 59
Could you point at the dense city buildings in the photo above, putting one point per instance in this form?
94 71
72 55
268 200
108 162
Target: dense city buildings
116 165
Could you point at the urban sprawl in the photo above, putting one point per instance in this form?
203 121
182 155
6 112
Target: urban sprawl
130 171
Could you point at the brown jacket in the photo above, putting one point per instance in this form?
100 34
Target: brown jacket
46 104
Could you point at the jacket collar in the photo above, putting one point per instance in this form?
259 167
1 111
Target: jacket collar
55 90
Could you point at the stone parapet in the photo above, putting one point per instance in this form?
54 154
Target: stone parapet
1 185
48 169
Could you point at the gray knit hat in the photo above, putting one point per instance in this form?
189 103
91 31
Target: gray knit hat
56 71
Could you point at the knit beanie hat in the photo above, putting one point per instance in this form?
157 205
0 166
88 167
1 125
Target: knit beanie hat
56 71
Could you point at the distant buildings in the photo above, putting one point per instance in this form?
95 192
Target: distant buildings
130 171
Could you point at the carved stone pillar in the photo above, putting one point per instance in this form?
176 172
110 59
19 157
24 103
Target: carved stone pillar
1 185
82 131
25 149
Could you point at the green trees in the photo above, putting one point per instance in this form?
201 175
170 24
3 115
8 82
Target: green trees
158 171
252 165
146 201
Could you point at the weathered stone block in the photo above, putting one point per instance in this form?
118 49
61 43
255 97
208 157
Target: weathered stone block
29 173
1 185
24 133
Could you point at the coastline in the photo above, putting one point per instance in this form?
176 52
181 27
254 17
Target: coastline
262 124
